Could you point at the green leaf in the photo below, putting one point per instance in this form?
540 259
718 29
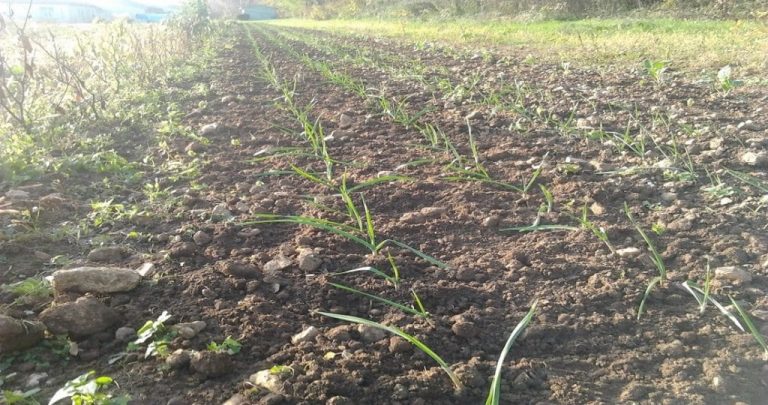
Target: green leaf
495 393
383 300
103 380
413 340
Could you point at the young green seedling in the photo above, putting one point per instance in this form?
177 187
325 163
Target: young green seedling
598 231
345 231
159 334
494 396
702 297
655 256
759 338
548 198
391 303
87 389
395 270
390 279
396 331
229 346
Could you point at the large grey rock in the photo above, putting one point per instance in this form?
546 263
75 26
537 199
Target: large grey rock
16 334
101 280
86 316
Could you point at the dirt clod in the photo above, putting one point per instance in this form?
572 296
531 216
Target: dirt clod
210 364
84 317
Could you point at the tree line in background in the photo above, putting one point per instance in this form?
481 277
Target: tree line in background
561 9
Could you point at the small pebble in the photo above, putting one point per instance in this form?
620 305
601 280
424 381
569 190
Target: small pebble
305 335
201 238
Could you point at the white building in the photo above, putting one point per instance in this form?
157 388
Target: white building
53 11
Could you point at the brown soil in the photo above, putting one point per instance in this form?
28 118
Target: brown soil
585 344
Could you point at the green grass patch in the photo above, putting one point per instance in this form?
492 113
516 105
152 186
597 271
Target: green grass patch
688 44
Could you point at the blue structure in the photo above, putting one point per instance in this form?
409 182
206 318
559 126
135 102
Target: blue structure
151 17
260 12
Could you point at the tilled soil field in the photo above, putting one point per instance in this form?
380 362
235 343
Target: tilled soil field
499 172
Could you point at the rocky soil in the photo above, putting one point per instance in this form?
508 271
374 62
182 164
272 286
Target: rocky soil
688 159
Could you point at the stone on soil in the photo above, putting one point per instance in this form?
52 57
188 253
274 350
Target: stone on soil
210 364
249 232
491 221
398 345
669 196
146 269
16 334
188 330
201 238
681 224
84 317
100 280
757 159
277 264
345 121
124 334
733 274
628 252
597 208
305 335
107 254
240 270
338 333
209 129
371 334
309 260
469 374
17 195
465 329
272 382
179 359
422 215
338 400
183 249
237 399
465 273
35 380
221 213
